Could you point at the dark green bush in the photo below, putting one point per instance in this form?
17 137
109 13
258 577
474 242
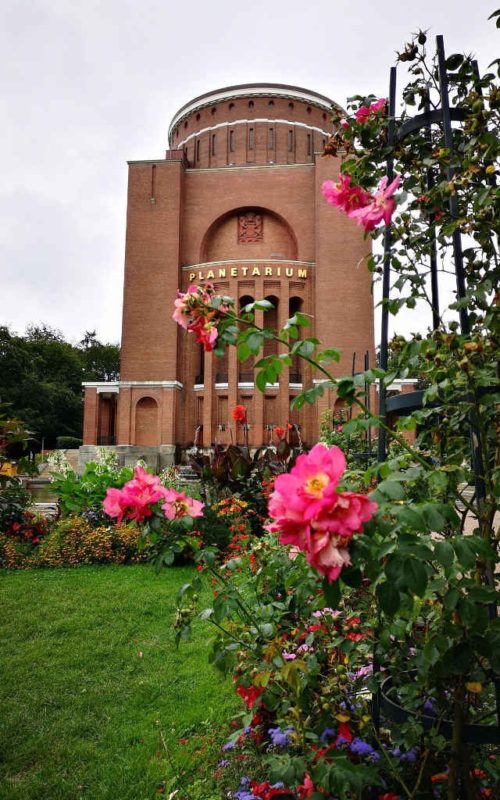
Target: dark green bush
68 443
14 501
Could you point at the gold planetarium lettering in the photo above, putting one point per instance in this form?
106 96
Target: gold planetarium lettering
243 272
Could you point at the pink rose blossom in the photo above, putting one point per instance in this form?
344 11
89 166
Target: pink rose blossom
193 312
288 656
310 486
179 504
113 504
347 516
310 514
344 196
380 208
139 496
364 112
205 332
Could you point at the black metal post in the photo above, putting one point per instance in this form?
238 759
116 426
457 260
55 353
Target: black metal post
386 277
433 255
453 201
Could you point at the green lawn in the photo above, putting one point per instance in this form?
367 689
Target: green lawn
93 695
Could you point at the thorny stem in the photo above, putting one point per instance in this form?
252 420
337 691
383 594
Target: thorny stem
239 601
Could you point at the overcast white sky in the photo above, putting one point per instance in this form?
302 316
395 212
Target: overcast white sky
86 85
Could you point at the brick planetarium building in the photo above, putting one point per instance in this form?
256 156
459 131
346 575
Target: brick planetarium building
236 201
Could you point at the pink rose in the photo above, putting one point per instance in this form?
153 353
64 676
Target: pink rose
178 504
380 208
345 196
364 112
310 514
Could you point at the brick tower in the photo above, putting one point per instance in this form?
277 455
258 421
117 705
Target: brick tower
236 201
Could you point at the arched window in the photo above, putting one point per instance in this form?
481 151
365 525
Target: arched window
295 304
245 368
271 321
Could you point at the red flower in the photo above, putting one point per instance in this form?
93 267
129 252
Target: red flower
388 796
279 432
344 733
239 414
305 789
266 792
440 777
249 694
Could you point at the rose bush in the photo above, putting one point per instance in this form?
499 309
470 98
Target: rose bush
429 589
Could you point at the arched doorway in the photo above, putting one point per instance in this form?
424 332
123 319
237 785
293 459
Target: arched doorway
146 422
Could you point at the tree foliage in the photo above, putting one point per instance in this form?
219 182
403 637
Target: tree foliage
41 378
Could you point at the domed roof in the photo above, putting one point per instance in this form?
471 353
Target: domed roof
251 90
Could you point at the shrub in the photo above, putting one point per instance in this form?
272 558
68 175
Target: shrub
79 494
68 442
213 529
74 541
71 542
14 501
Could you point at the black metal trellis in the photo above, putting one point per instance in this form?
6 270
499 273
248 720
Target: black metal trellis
442 116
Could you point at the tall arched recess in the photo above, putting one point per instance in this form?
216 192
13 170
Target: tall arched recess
146 422
246 233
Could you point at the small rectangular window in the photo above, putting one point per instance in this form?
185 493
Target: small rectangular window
213 144
309 144
290 141
198 150
270 139
231 141
251 139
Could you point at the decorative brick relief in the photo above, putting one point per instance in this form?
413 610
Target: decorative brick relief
250 228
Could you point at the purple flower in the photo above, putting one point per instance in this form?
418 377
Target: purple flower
280 738
363 749
327 734
408 756
429 707
228 746
244 794
224 763
362 672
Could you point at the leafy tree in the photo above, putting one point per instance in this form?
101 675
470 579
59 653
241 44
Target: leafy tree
41 376
101 361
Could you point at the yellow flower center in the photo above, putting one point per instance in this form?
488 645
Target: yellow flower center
316 485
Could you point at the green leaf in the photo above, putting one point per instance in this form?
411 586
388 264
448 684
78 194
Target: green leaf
261 381
388 598
444 553
331 354
434 519
414 576
454 61
331 592
254 342
391 489
244 351
410 517
451 599
351 576
465 554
